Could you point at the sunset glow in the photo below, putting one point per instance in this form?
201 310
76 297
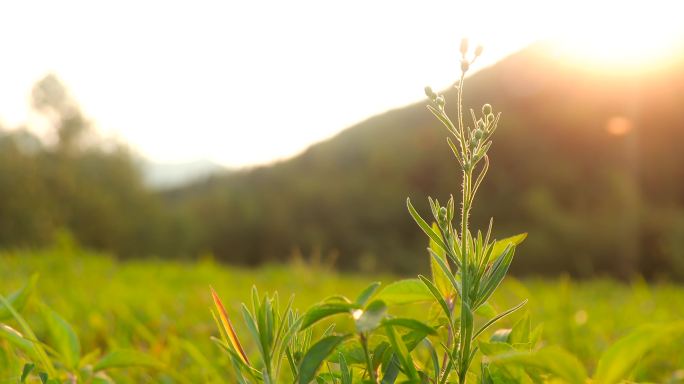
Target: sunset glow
252 82
623 35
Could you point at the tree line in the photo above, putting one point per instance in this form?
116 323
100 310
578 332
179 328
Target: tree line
595 199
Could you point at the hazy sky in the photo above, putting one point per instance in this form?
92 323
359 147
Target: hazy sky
247 82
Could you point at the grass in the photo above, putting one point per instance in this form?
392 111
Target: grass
162 308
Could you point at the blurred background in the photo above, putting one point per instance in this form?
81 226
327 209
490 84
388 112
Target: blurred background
253 133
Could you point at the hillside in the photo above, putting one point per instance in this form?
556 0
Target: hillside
587 162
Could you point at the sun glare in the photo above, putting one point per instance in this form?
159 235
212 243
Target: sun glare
619 125
623 35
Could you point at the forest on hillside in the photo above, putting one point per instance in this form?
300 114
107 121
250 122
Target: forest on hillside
588 164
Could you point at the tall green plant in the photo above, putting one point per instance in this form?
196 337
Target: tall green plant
473 265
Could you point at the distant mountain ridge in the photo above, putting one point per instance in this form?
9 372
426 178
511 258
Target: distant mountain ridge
160 175
587 196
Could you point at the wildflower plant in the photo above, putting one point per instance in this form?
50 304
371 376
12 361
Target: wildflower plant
467 268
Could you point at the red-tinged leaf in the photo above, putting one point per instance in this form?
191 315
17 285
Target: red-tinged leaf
228 327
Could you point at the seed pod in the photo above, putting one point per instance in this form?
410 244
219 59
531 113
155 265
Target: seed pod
486 109
465 65
430 93
464 46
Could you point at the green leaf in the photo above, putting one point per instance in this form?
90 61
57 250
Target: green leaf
435 360
368 319
18 341
28 367
501 245
19 298
411 324
437 295
438 276
314 357
499 317
552 360
496 274
520 334
121 358
405 292
444 266
425 227
402 353
38 349
619 359
501 335
391 362
63 337
320 311
495 348
367 293
345 372
486 310
254 331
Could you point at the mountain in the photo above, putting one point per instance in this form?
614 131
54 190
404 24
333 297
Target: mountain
588 162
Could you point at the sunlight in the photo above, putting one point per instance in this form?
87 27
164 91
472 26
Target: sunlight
622 35
619 126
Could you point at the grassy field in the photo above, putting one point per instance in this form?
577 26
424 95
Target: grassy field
163 308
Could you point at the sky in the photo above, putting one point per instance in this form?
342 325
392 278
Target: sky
250 82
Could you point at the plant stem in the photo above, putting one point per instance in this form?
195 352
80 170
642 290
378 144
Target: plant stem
450 340
465 334
369 363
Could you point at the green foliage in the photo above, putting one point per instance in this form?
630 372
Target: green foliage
122 358
61 359
315 356
405 291
618 361
169 321
18 299
550 360
64 339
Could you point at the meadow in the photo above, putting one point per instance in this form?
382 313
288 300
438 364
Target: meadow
162 309
69 314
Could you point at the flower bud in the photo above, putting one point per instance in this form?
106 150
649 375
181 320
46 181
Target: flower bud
430 93
442 214
480 124
490 118
473 144
478 134
486 109
464 46
464 65
439 100
478 50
